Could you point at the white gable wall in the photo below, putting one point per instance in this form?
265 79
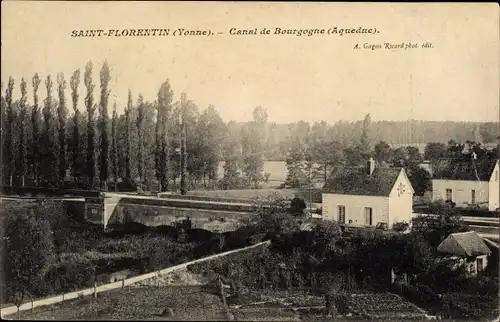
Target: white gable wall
355 208
461 191
494 189
401 206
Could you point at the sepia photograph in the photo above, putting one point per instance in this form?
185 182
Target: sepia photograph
249 161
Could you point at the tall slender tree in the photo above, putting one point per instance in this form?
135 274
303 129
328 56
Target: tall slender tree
364 143
158 145
21 158
35 119
2 132
140 148
48 167
89 103
114 147
9 131
183 144
252 143
164 106
128 146
75 141
61 116
103 126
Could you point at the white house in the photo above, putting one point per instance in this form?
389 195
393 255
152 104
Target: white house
467 249
468 182
367 196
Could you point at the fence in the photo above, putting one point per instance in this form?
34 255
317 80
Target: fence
116 285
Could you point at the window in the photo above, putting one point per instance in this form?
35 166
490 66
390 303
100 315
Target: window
368 216
448 195
473 196
479 265
341 214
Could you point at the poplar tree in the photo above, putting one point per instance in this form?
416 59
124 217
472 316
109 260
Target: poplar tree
158 141
364 143
183 144
76 153
89 104
164 105
114 147
139 123
128 146
22 166
48 144
9 131
61 115
35 119
103 128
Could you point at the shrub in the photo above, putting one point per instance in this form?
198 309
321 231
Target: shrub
400 226
29 250
70 276
127 185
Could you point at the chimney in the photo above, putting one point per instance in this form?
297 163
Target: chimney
370 166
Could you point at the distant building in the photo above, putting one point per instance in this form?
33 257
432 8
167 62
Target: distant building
468 182
367 196
468 248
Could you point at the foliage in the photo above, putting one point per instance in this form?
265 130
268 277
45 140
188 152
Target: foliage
437 227
9 160
434 151
90 166
297 206
48 145
183 152
420 179
103 125
21 164
164 107
61 129
114 147
77 166
29 250
128 150
400 226
383 152
35 154
252 143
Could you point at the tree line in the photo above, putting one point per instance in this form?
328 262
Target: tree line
315 151
46 144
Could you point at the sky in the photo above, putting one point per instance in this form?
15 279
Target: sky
294 78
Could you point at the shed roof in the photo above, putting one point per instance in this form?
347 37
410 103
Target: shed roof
465 244
356 181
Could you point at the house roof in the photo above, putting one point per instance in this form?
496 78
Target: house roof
464 169
464 244
356 181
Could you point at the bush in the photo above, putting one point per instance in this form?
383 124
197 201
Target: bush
29 250
70 276
127 185
400 226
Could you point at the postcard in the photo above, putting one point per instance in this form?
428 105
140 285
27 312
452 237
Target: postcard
249 161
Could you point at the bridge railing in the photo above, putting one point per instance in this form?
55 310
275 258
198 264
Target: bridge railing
191 204
49 192
207 198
